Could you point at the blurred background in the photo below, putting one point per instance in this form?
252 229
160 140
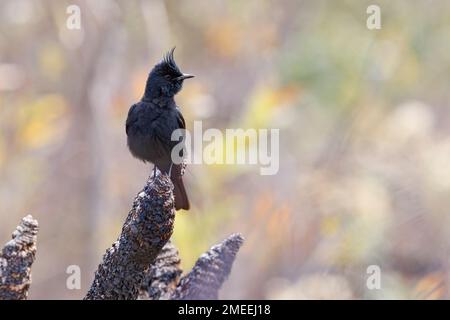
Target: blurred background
364 121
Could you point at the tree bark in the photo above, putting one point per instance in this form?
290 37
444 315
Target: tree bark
147 229
16 259
142 263
202 282
163 276
210 271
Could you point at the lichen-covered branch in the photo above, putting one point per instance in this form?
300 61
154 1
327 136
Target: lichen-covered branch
210 271
163 276
141 263
147 229
16 259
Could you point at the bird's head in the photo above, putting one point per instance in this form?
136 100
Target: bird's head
165 79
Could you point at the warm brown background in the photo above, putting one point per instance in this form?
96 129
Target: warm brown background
364 123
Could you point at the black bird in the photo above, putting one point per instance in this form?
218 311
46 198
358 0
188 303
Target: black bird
152 120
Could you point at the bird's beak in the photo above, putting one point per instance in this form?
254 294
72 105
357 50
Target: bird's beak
185 76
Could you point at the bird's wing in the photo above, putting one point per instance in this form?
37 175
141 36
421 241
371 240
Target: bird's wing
161 129
132 117
180 119
181 125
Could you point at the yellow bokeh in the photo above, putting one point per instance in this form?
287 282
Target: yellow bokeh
264 102
51 61
41 121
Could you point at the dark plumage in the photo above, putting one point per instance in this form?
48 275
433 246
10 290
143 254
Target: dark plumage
152 120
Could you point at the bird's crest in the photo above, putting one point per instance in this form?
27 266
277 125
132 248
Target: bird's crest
169 61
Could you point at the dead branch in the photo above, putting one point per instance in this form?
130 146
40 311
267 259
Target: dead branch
210 271
16 259
163 276
141 262
147 229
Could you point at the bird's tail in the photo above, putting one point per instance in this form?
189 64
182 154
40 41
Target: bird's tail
179 192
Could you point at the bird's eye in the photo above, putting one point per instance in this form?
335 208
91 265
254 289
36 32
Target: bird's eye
168 77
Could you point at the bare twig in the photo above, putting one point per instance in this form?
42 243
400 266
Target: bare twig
16 259
147 229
